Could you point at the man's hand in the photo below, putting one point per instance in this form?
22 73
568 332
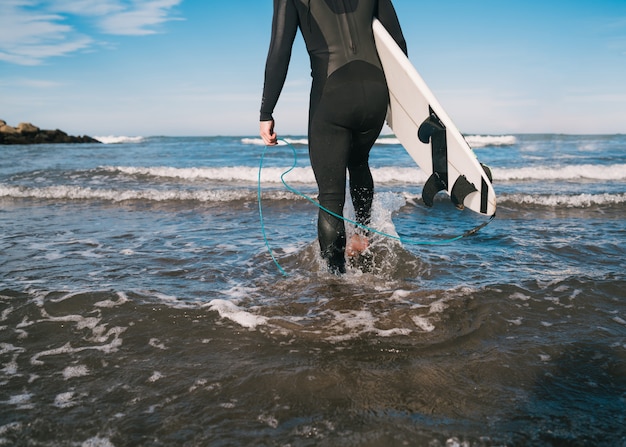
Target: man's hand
267 133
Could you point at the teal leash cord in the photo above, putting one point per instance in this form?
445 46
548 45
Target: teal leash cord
267 244
404 240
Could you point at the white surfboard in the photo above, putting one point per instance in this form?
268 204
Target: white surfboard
429 135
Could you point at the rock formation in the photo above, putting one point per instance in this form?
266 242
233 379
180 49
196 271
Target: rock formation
26 133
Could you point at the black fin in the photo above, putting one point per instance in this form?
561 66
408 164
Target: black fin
488 172
432 186
433 131
429 127
461 189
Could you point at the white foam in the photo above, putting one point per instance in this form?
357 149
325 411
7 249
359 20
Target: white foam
229 310
383 206
72 372
358 322
21 401
399 295
122 299
438 307
620 320
247 174
11 368
423 323
156 376
12 426
239 292
67 348
389 174
112 139
519 296
572 172
269 420
7 347
456 442
490 140
64 400
396 175
97 442
156 343
116 195
516 321
567 201
272 175
5 313
225 173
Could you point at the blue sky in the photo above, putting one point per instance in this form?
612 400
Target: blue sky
195 67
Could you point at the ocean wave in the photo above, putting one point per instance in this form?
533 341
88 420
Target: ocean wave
250 194
564 200
385 175
245 174
120 195
572 172
475 141
111 139
490 140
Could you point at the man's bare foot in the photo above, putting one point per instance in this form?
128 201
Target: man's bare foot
356 245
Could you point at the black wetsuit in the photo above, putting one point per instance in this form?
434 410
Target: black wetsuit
348 101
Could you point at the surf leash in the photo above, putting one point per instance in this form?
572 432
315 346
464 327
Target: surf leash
259 194
402 239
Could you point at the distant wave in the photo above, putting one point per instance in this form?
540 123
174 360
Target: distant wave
474 141
490 140
229 195
246 174
573 172
111 139
564 200
385 175
121 195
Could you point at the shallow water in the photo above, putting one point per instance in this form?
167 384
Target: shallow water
140 306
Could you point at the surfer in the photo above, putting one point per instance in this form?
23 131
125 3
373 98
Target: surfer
348 103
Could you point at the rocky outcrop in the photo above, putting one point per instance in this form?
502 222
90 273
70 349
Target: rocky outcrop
26 133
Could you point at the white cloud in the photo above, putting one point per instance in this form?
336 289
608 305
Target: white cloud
139 18
32 31
87 7
27 36
120 17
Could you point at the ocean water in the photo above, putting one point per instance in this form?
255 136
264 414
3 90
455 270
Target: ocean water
139 304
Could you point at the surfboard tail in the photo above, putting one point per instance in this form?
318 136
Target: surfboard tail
429 135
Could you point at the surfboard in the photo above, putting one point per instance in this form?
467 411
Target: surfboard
429 136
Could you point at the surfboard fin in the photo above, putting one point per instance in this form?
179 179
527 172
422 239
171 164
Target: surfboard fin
487 171
433 185
430 127
433 130
461 189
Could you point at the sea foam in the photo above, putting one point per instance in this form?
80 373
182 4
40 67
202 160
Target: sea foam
224 196
112 139
228 309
